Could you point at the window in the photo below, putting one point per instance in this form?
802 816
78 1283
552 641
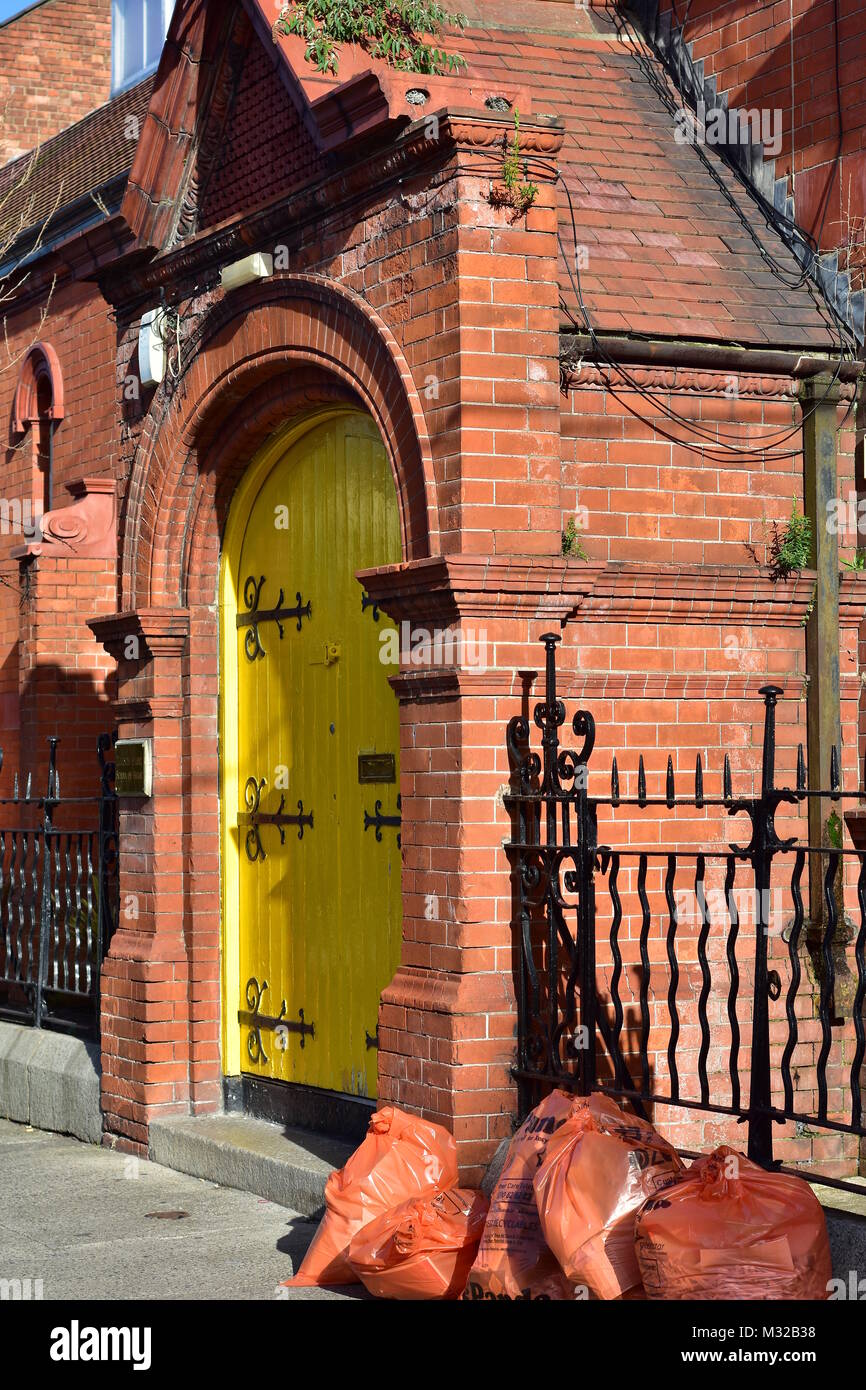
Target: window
138 30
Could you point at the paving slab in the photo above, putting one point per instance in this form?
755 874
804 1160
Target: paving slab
95 1224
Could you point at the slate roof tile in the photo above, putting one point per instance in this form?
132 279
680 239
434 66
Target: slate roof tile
78 161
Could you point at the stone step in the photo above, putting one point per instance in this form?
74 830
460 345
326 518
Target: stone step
846 1227
288 1166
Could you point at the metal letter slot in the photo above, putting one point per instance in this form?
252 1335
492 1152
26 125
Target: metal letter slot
377 767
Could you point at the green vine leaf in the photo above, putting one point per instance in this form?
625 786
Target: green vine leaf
389 29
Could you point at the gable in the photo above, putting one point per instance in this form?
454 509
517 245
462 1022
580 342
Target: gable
238 116
264 149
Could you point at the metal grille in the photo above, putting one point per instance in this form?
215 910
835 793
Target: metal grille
667 965
58 899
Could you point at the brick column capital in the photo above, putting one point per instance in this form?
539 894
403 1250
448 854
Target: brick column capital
149 645
446 588
163 631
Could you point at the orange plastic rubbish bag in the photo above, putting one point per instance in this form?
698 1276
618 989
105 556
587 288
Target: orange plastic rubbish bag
729 1229
400 1157
599 1169
513 1259
423 1248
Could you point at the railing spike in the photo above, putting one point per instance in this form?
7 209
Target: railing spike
15 788
834 769
727 792
699 782
614 783
801 769
28 787
641 782
670 792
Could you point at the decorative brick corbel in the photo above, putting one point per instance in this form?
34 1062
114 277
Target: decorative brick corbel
148 645
85 530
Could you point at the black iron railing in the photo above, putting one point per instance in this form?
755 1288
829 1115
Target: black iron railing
667 972
58 899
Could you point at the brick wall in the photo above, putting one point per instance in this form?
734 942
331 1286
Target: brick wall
55 66
751 51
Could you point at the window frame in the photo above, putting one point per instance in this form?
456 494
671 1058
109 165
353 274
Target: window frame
119 17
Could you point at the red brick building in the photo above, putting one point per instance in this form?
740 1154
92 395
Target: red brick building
623 351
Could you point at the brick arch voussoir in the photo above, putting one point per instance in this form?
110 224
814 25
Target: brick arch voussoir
261 356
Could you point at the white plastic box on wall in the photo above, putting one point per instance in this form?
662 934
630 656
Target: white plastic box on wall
151 347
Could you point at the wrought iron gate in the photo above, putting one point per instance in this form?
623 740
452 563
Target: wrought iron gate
58 899
758 1013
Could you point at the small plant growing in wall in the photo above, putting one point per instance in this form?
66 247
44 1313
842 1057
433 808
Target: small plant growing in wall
833 828
788 547
858 562
389 29
571 543
512 191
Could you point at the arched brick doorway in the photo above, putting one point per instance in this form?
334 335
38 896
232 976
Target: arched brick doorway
260 358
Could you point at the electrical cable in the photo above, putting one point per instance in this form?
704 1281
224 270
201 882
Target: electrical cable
714 448
770 451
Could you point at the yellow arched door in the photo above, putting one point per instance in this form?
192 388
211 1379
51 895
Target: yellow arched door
311 758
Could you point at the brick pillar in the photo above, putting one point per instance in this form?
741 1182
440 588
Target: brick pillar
447 1024
448 1018
503 489
145 1008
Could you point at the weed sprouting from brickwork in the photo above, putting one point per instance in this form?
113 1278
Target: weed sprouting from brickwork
788 548
512 191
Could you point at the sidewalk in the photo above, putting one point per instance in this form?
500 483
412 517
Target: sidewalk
93 1224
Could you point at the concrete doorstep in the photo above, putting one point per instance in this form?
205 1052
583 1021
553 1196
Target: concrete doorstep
287 1166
